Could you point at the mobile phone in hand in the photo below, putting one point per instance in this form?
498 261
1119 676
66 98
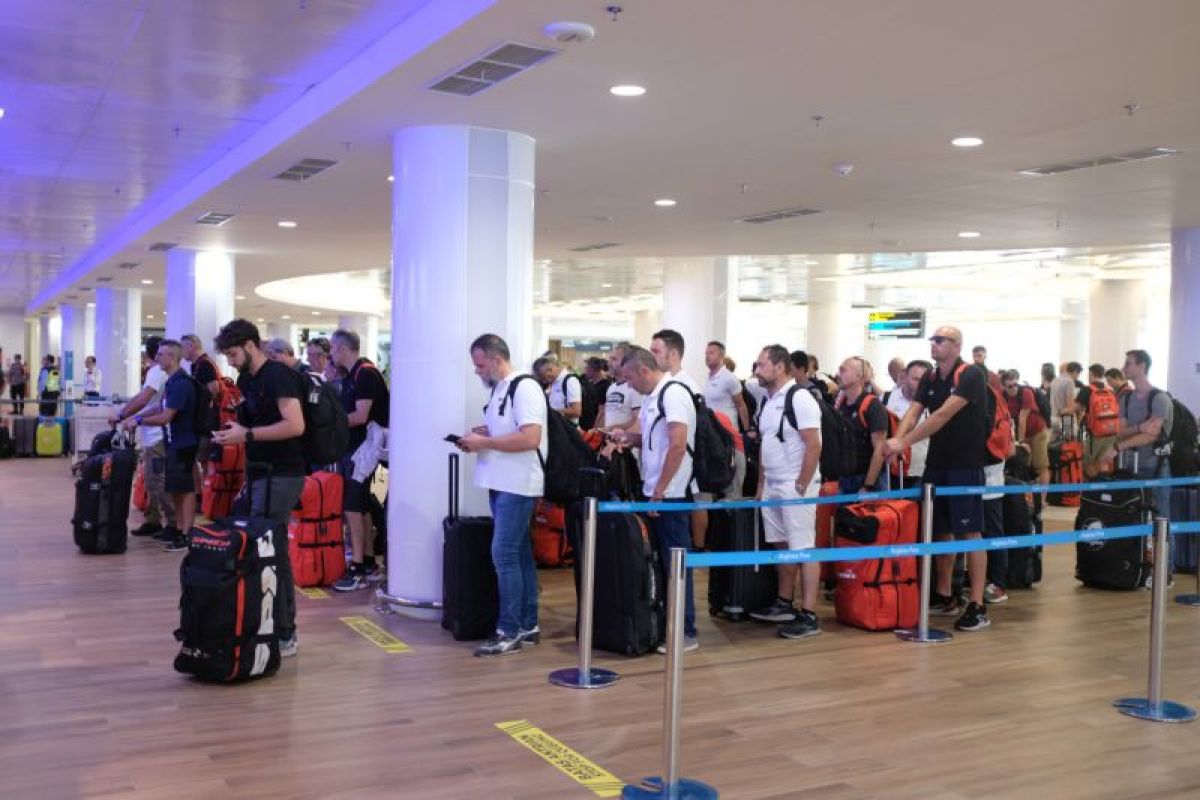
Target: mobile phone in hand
453 438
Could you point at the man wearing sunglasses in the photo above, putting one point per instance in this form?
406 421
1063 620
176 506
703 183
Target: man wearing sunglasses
957 428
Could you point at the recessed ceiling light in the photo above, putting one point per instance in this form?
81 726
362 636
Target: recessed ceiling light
969 234
91 305
606 286
147 281
391 178
664 202
628 90
1 113
149 316
286 223
260 319
285 316
239 297
316 313
966 141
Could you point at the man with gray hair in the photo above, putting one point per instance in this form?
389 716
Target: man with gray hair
281 350
563 387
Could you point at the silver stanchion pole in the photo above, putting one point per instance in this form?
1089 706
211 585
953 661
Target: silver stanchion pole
923 634
1190 599
670 785
585 676
1153 707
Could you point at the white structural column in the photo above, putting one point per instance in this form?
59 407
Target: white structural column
645 323
829 331
200 286
1183 373
74 348
462 265
1118 316
698 299
1074 331
89 329
33 346
119 339
50 336
367 328
281 330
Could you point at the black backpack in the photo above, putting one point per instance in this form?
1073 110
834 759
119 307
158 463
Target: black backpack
1182 441
326 427
566 452
751 407
202 422
1043 401
587 395
712 456
839 439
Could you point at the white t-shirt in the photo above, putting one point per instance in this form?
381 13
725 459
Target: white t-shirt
515 473
564 392
621 404
688 381
898 404
722 388
781 461
156 379
677 407
91 380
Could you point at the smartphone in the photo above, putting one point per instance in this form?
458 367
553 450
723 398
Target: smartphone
453 438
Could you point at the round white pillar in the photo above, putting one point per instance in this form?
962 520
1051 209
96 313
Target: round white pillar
828 333
645 323
367 328
74 348
200 293
1117 320
1074 329
698 294
462 265
1180 353
119 339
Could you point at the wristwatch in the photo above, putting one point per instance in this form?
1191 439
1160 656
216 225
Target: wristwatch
249 434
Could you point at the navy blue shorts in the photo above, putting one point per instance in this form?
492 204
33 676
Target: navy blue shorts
955 516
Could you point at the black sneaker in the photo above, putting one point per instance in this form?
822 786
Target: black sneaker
531 636
354 579
975 618
943 606
146 529
178 544
168 534
779 611
499 645
806 625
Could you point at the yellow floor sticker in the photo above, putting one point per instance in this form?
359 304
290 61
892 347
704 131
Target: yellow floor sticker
587 773
376 635
313 592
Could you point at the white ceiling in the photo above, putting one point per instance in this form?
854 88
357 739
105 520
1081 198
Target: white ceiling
726 127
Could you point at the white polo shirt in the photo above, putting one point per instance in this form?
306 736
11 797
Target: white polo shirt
689 381
621 404
719 393
898 404
756 390
781 461
564 392
156 379
677 407
515 473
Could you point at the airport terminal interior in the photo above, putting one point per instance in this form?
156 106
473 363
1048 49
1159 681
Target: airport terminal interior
864 181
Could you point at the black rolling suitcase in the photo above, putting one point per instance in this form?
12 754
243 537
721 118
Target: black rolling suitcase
628 615
24 433
103 490
733 592
1185 507
229 604
1024 563
1116 563
470 595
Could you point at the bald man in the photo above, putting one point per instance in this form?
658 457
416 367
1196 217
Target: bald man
955 393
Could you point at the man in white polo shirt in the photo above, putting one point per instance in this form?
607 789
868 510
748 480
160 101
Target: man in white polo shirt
790 425
667 347
666 439
511 445
724 391
563 387
621 402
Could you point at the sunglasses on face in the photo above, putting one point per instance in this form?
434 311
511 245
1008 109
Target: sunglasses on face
940 339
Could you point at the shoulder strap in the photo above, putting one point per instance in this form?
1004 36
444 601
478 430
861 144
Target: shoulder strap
789 413
863 404
662 409
511 393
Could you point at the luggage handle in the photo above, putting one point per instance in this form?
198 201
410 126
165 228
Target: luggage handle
452 487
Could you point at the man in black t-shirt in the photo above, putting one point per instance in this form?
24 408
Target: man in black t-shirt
205 371
366 399
271 424
869 420
957 428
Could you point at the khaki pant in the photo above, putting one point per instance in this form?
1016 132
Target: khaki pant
154 464
1093 448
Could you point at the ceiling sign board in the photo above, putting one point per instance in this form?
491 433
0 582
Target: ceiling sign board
905 324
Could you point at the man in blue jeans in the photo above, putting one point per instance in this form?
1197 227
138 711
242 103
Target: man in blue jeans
512 446
667 437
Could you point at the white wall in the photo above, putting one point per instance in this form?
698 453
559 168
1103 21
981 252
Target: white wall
12 333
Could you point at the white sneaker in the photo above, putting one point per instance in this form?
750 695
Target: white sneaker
288 647
690 643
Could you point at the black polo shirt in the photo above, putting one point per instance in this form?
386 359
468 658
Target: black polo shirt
365 382
962 442
261 393
877 422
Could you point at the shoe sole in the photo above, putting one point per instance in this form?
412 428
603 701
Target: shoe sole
997 601
778 618
981 626
347 589
794 636
498 653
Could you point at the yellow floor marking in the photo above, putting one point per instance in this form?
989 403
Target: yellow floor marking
376 635
313 592
587 773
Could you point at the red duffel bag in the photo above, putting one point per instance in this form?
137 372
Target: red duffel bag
315 532
879 594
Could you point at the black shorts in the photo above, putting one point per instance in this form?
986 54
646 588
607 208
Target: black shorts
354 493
955 516
179 477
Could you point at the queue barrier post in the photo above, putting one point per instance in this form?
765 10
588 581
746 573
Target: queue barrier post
923 634
1153 707
585 676
670 785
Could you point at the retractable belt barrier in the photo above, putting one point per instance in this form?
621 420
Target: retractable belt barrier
1152 707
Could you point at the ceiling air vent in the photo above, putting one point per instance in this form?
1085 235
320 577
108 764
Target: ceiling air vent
587 248
1144 154
127 265
305 168
776 216
489 69
160 247
214 218
104 279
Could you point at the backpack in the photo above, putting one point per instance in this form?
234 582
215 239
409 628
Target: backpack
587 396
225 403
1103 412
326 426
202 421
839 442
712 456
751 406
566 452
1042 398
895 466
1180 446
1000 441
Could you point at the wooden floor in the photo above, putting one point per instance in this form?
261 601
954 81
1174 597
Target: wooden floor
90 707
